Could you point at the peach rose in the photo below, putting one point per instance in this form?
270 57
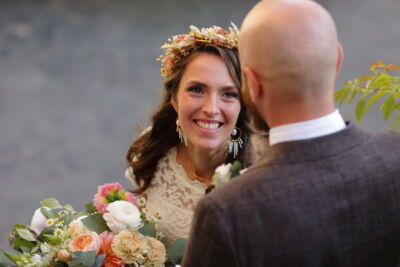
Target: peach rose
85 242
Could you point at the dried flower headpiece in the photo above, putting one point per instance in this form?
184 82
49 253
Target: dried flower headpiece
180 45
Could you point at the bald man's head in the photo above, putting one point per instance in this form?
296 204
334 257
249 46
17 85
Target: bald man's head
292 43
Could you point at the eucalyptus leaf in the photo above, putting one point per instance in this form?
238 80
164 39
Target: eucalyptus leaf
90 208
60 264
148 229
49 214
19 226
175 252
68 207
82 259
67 218
99 260
51 203
26 234
96 223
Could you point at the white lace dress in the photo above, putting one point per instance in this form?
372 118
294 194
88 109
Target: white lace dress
173 196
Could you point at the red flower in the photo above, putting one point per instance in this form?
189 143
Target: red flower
111 259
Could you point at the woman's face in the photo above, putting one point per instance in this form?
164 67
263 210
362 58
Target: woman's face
207 102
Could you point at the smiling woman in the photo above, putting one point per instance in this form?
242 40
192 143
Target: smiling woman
172 163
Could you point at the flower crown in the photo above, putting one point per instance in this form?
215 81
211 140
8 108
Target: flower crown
180 45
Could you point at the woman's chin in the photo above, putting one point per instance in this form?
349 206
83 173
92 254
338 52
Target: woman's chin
209 145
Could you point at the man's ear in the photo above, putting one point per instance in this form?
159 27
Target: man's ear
174 103
253 84
339 59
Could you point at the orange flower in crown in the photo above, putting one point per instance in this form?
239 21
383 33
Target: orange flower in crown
180 45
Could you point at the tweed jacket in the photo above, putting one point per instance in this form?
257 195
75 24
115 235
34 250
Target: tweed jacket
327 201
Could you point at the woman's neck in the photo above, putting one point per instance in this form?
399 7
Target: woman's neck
199 164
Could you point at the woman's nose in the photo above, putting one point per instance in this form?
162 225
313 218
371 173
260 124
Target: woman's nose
210 105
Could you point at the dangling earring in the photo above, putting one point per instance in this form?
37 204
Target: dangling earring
235 142
181 135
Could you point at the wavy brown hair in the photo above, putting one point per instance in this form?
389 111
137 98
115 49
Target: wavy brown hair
145 152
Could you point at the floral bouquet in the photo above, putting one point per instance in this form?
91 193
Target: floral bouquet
115 230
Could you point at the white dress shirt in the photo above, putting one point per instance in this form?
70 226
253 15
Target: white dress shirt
321 126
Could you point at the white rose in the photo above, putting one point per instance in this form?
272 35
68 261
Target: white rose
38 222
222 174
122 215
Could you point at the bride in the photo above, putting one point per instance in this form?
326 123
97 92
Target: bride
200 124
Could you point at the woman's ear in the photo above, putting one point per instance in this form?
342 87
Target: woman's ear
174 103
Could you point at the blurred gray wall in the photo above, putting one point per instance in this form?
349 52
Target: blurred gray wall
75 76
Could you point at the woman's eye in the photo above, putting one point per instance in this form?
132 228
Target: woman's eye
195 89
231 95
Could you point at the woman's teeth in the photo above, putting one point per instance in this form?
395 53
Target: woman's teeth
206 125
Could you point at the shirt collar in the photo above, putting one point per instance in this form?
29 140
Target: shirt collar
321 126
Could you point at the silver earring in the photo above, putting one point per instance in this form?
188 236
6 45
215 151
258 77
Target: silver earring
181 135
235 142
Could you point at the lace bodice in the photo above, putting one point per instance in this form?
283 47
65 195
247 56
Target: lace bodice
174 197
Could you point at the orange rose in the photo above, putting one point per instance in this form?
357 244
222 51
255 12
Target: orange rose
85 242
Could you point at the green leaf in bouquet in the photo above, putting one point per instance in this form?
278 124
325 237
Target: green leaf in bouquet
51 203
235 169
52 239
4 260
175 252
99 260
26 234
45 231
14 258
68 208
24 245
82 259
76 215
67 218
49 214
90 208
148 229
18 226
60 264
96 223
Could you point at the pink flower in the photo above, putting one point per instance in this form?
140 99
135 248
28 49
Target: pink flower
109 193
111 259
